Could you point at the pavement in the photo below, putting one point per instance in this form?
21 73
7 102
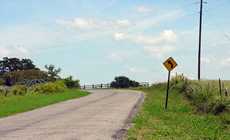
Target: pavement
102 115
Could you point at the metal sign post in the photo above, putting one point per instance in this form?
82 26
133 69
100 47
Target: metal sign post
169 64
167 92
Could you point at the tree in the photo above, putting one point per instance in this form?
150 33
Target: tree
53 72
123 82
15 64
27 64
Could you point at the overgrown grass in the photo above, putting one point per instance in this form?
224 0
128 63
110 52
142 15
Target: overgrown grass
205 96
15 104
179 122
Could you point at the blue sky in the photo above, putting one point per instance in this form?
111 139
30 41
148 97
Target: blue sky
96 40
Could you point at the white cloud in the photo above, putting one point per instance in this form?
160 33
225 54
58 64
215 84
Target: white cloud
105 25
155 46
83 23
95 24
28 36
123 23
158 51
119 56
119 36
144 9
151 21
226 62
166 37
14 51
136 70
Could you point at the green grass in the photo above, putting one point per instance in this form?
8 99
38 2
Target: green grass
16 104
179 122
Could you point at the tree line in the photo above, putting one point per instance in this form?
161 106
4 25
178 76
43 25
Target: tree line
15 70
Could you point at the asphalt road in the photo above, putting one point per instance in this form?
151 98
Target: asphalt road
100 116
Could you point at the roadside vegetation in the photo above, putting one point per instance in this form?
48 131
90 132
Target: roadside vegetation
24 87
196 111
15 104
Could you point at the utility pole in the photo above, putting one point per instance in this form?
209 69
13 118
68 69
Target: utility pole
200 39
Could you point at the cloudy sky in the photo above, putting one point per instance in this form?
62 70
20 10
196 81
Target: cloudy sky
96 40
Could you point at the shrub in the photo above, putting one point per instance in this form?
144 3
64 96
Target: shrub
50 87
70 83
219 106
19 90
4 91
204 96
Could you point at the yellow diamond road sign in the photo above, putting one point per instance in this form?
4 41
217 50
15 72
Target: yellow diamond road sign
170 64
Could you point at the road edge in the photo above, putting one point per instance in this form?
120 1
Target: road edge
121 133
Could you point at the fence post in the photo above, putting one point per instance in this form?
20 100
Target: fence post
220 87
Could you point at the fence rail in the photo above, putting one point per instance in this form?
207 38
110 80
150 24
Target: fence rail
108 86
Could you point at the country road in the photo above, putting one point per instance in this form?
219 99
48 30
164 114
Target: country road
99 116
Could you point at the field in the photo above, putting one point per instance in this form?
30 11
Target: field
180 122
15 104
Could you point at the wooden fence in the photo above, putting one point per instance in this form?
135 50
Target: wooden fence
108 86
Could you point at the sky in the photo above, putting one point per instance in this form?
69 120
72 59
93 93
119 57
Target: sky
96 40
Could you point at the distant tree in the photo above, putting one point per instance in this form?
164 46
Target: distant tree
15 64
27 64
123 82
133 83
53 72
71 83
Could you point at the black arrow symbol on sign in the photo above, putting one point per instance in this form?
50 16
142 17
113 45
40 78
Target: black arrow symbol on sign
171 64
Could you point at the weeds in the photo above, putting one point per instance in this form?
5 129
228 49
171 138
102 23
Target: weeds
204 95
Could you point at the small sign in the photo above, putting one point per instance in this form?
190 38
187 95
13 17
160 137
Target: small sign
170 64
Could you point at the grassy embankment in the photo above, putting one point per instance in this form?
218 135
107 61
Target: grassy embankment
181 121
15 104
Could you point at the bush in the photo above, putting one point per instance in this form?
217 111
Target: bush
70 83
19 90
219 106
4 91
204 96
50 87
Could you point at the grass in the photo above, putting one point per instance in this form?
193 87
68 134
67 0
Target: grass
179 122
16 104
